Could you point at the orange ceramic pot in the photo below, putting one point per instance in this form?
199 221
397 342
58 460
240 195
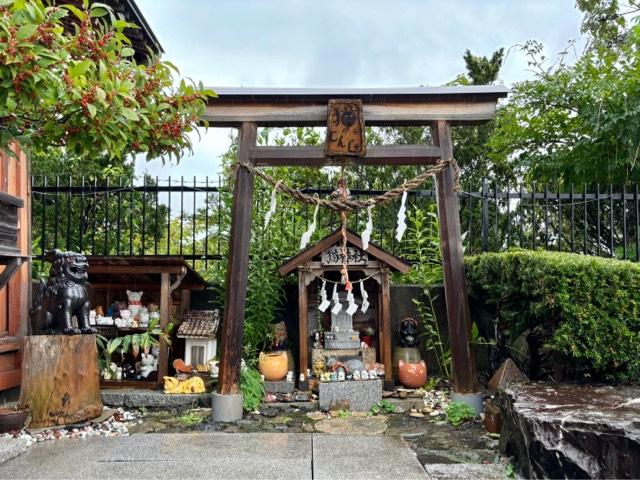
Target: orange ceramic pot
274 366
412 375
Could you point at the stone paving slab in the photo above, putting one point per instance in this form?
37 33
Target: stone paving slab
11 448
465 471
364 457
197 455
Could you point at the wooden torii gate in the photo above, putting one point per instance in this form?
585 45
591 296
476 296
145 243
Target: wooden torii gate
437 107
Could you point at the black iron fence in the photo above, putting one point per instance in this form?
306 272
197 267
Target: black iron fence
191 218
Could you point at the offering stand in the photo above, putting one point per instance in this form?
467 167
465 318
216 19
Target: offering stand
168 280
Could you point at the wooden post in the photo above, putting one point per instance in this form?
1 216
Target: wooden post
185 300
463 362
303 313
237 268
165 303
385 337
60 379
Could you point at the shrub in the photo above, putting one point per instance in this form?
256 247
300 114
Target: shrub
591 304
252 388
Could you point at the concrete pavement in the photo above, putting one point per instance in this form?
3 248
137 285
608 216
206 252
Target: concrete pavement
219 455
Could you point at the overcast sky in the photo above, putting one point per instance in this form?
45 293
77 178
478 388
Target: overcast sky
303 43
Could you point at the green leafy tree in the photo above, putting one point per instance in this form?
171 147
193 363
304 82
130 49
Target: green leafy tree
80 88
578 122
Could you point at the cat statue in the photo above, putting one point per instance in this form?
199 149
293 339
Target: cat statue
148 364
135 302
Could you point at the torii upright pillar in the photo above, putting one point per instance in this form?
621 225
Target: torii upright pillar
455 289
227 401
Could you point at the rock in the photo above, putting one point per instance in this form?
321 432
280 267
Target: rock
570 431
269 412
507 373
416 415
316 416
301 397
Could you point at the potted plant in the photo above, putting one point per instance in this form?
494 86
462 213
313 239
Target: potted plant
12 418
133 343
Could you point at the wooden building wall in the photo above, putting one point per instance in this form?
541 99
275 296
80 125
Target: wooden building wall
14 297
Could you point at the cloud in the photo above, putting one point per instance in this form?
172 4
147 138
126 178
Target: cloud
299 43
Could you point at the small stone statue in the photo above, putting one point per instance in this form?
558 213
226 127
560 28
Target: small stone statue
64 296
409 333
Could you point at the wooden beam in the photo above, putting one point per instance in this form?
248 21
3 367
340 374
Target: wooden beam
303 331
463 361
134 269
165 305
381 114
315 156
238 268
143 286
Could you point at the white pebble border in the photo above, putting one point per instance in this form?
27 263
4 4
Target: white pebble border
114 426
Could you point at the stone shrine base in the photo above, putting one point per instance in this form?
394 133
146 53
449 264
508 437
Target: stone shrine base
571 431
367 355
353 395
281 386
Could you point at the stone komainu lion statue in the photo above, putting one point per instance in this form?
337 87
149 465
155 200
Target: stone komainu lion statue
63 297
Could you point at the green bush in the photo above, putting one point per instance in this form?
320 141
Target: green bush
591 304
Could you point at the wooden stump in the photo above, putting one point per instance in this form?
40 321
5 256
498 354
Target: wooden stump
60 379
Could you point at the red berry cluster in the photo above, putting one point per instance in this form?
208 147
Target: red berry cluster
87 98
44 34
173 128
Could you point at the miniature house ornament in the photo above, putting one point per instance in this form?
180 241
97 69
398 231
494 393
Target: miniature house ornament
199 328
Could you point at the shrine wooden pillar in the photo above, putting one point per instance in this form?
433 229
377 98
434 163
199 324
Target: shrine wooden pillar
303 334
237 267
458 319
165 312
385 325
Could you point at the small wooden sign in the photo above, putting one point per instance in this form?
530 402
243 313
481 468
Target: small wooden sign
345 129
333 256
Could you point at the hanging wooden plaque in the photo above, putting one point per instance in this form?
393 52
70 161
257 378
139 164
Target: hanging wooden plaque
345 129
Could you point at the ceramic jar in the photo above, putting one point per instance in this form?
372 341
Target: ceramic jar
274 366
412 375
407 355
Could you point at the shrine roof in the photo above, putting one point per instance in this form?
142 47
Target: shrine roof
401 94
142 270
394 262
199 324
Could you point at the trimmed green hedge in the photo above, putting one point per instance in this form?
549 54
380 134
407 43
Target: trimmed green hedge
592 305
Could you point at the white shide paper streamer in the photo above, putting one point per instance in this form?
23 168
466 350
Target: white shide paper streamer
366 233
324 304
365 302
352 308
337 306
306 236
402 225
272 206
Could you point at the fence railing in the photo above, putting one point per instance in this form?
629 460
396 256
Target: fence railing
191 218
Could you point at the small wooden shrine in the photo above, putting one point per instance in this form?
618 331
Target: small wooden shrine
369 272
